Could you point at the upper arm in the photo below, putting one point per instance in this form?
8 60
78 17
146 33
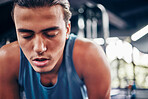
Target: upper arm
94 69
8 74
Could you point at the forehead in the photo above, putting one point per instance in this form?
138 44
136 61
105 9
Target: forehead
24 13
38 18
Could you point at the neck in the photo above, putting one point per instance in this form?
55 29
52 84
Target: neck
50 78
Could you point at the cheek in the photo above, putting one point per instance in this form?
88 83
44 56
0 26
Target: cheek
58 44
62 39
25 46
20 40
22 43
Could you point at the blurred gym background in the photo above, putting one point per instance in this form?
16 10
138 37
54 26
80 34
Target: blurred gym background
119 26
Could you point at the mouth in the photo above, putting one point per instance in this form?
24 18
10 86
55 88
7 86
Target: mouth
40 62
40 59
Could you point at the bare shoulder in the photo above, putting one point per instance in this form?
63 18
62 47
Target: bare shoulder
9 68
91 65
87 47
87 52
10 59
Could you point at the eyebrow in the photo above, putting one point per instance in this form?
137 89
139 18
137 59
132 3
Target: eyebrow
21 30
25 30
50 29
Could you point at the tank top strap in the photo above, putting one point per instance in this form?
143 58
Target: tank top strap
69 58
74 81
70 45
22 66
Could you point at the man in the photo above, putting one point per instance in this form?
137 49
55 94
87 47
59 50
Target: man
47 62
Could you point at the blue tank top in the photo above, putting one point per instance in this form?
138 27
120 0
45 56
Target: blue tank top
68 85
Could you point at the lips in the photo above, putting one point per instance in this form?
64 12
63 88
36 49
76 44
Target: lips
40 62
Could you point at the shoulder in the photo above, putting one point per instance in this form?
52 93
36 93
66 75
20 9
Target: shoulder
9 67
86 47
91 65
88 53
10 59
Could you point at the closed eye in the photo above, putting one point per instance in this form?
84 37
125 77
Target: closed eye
51 35
27 37
25 33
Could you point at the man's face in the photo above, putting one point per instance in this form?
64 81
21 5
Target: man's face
41 34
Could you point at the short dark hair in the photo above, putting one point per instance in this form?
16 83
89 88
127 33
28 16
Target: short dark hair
42 3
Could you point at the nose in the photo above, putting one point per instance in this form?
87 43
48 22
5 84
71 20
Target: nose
39 45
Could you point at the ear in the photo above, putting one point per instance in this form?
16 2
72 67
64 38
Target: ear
68 29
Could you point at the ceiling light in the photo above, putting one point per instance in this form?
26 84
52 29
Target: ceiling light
140 33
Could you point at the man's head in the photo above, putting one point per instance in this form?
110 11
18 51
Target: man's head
45 3
41 32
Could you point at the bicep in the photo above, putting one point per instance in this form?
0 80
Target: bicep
97 74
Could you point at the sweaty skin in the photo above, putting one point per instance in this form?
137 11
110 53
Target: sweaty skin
42 34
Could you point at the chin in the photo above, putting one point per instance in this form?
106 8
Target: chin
42 69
